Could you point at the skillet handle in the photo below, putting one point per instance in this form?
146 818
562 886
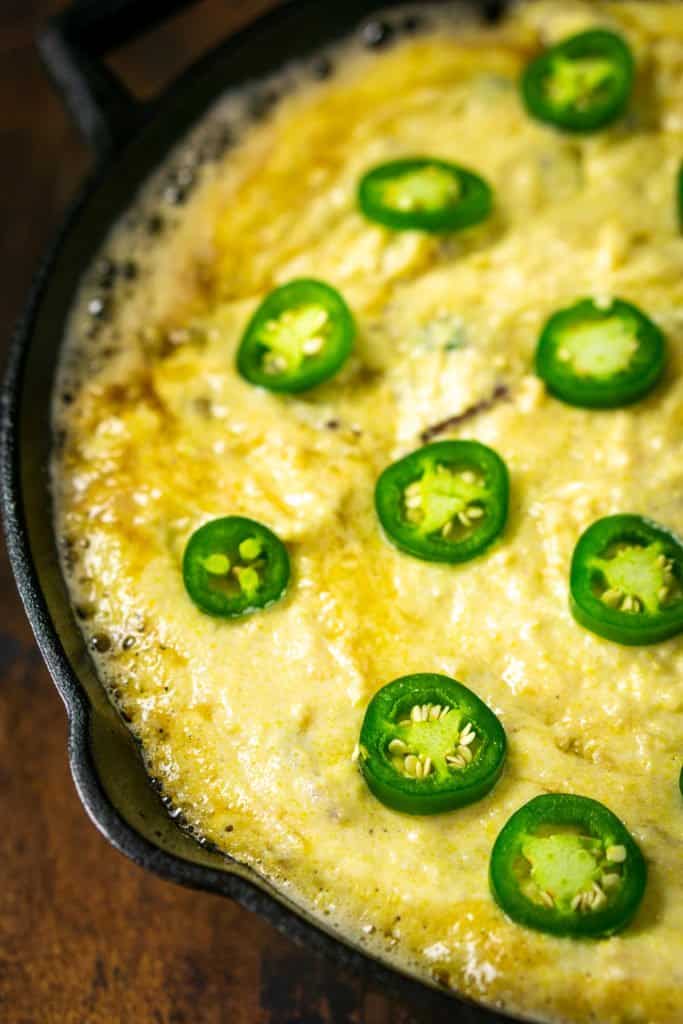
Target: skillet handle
73 46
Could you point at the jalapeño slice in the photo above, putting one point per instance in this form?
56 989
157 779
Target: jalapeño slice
566 864
626 580
428 744
679 196
423 194
446 502
234 566
600 358
582 84
300 335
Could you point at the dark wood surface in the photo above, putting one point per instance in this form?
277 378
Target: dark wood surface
86 937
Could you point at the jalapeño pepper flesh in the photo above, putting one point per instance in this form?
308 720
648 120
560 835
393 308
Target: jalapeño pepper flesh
626 581
600 357
423 194
300 336
234 566
428 744
567 865
581 84
445 502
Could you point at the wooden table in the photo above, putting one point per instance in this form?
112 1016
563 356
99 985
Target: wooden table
86 937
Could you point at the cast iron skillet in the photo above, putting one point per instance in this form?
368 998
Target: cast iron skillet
130 141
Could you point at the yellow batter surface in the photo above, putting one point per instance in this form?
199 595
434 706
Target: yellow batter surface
251 724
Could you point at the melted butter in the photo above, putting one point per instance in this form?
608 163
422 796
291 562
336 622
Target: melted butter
251 725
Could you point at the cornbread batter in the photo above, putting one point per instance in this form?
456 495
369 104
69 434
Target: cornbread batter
251 724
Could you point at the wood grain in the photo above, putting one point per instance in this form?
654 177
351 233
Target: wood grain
86 937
